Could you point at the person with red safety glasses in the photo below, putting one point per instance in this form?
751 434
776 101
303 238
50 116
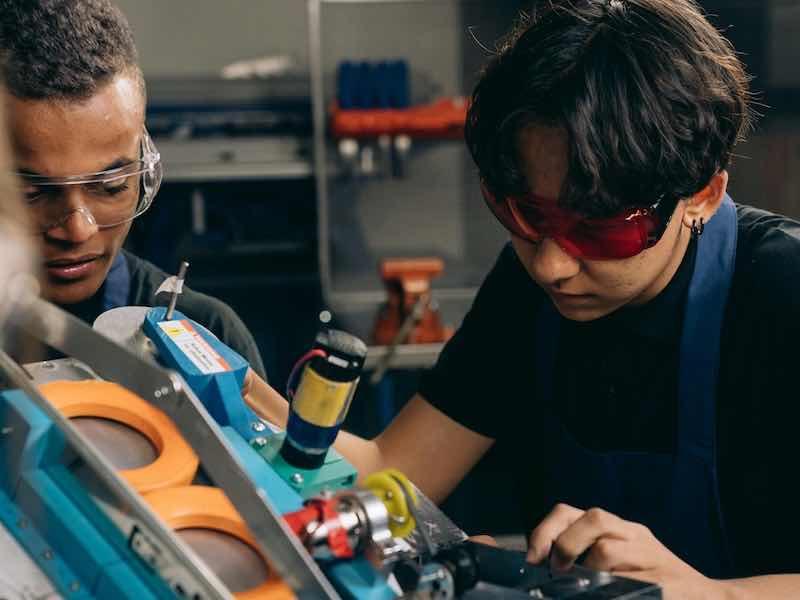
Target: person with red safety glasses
633 351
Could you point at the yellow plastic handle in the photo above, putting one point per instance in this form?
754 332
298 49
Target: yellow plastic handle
395 491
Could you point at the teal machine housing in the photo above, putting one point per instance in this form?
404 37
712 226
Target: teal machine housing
216 374
49 512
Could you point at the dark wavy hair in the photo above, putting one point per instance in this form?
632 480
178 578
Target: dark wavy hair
652 97
64 49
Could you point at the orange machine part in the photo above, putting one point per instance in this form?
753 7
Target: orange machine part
176 463
443 118
407 280
203 507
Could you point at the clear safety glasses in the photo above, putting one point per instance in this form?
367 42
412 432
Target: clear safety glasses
107 198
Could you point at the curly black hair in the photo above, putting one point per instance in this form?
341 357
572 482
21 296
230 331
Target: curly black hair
64 49
653 99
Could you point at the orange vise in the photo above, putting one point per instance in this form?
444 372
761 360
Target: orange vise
409 316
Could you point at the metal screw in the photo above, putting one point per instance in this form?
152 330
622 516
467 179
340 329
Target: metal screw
260 442
157 393
47 555
296 479
74 586
259 426
48 365
7 430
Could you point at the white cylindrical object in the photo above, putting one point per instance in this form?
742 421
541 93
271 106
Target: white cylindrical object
16 271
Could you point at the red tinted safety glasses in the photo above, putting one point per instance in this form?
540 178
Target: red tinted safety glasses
534 218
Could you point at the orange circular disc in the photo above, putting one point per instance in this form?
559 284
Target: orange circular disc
176 463
203 507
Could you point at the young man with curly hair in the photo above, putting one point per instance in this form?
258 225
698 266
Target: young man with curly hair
75 98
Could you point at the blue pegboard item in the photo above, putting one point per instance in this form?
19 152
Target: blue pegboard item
345 85
363 85
373 85
383 90
400 93
53 517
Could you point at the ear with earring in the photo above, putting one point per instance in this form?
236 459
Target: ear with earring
698 227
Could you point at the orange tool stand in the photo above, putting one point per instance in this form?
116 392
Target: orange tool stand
407 281
442 119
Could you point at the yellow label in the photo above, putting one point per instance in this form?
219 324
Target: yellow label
321 401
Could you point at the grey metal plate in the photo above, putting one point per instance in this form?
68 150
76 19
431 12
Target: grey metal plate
62 369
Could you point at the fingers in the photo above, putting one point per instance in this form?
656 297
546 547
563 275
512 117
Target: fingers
484 539
608 554
553 525
593 525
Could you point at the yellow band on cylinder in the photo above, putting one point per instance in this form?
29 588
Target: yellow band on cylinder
321 401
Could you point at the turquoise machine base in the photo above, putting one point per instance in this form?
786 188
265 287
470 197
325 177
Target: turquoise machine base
335 474
218 386
53 518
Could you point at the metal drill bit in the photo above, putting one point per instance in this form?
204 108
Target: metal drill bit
178 289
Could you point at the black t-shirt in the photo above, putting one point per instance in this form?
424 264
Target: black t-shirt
616 383
215 315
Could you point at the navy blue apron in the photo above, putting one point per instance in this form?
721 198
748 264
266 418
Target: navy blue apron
117 286
676 496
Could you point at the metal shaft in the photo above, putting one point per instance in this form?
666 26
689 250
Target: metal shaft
178 289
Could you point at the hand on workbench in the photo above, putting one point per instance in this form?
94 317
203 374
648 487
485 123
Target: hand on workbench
621 547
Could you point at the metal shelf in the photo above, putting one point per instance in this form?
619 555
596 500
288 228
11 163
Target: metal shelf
416 356
228 159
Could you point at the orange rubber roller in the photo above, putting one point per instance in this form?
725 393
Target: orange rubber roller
202 507
176 463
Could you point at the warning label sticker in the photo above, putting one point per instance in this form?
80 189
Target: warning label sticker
196 349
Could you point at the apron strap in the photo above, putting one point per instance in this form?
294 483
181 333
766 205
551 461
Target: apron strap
702 327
